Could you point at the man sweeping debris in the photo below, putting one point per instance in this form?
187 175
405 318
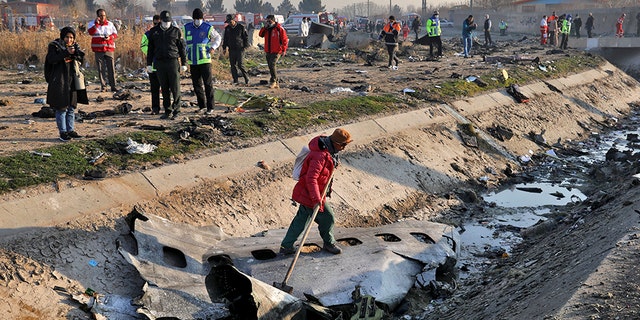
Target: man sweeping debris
315 175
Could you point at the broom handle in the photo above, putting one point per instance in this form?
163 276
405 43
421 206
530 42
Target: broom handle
306 230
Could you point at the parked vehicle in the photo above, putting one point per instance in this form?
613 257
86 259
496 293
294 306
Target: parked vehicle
180 21
31 21
292 24
409 17
218 20
444 23
253 20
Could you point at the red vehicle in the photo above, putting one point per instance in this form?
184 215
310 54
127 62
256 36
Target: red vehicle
218 20
30 21
327 18
253 19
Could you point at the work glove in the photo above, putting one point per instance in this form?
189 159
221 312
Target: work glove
183 69
149 69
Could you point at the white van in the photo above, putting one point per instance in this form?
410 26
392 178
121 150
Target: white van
292 24
180 21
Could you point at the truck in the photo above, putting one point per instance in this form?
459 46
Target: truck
217 20
23 15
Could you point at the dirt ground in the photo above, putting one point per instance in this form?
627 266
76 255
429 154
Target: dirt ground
584 267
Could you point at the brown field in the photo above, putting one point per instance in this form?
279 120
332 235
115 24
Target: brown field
18 47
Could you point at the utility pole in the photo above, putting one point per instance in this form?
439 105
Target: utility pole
368 14
389 7
471 5
424 9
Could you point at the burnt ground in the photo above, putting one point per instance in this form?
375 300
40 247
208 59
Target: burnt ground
582 266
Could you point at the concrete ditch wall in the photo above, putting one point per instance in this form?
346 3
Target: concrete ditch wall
392 158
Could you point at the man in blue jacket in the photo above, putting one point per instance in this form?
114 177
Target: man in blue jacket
202 39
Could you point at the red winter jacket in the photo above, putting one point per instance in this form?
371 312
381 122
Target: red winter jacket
314 176
103 36
275 39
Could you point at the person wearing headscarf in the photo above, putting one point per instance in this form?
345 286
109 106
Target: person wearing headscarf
62 68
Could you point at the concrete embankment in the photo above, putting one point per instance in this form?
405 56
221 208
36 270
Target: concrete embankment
393 158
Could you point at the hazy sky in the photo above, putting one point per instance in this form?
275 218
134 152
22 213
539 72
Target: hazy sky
330 5
338 4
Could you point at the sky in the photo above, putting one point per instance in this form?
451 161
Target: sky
339 4
330 5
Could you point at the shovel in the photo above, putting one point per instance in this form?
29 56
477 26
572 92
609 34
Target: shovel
283 286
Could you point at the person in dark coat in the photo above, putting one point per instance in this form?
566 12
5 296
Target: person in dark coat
415 25
236 40
167 53
577 25
589 25
61 67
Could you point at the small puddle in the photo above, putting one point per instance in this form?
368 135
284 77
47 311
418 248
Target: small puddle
535 195
495 237
514 209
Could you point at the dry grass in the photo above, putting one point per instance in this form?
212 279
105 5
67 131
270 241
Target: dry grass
18 47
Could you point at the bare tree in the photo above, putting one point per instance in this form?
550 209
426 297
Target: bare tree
310 6
285 7
215 6
249 6
162 5
192 4
492 4
122 6
268 7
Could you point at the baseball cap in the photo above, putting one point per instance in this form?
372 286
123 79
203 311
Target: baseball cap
229 18
165 16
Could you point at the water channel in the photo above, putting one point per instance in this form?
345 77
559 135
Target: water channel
517 207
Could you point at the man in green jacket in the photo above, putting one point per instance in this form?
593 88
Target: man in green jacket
433 32
153 77
565 29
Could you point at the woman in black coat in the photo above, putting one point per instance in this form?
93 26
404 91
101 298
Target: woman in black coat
61 65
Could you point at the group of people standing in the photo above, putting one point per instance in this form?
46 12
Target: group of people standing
169 50
554 30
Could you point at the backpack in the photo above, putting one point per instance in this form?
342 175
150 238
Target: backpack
297 165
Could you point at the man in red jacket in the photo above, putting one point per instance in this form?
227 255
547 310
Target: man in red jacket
314 177
275 45
103 35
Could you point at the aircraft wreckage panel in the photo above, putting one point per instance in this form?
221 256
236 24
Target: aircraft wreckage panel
384 262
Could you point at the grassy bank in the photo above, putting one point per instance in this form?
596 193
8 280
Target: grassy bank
264 117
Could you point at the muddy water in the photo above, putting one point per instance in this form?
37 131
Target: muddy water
522 206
